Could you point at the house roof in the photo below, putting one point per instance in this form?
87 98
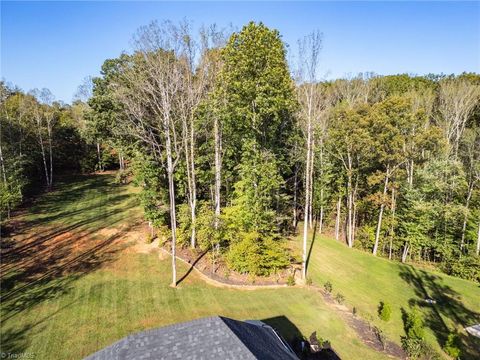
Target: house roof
207 338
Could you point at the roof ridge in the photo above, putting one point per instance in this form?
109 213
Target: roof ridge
234 335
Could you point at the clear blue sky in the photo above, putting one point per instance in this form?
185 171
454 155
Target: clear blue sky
57 44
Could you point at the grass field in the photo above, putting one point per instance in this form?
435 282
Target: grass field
74 284
365 281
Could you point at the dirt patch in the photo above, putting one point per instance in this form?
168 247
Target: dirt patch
46 254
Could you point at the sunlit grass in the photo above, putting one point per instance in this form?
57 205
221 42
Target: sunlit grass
365 280
71 316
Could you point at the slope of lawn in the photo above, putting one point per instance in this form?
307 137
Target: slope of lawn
74 284
365 281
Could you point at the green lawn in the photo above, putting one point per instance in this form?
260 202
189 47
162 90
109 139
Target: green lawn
365 281
74 286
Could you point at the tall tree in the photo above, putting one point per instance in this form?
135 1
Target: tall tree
149 89
311 107
457 99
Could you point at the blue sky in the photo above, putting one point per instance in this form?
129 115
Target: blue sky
57 44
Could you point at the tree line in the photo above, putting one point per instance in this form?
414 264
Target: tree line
232 146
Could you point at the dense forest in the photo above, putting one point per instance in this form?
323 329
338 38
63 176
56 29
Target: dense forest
232 145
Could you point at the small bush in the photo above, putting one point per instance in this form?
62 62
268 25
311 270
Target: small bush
414 324
121 177
226 274
354 311
150 238
413 347
452 345
418 348
339 298
384 311
291 280
429 353
256 254
309 281
328 287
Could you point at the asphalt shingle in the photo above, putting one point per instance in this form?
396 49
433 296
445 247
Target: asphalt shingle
207 338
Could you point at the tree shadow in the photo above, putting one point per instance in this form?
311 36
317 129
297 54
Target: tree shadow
290 332
192 266
13 341
314 235
447 309
43 265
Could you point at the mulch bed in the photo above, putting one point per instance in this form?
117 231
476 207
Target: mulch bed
218 271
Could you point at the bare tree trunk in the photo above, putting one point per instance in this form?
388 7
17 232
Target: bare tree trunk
189 144
337 220
320 228
4 175
392 225
354 219
307 198
464 226
99 157
42 148
320 225
406 248
218 169
411 173
478 240
171 190
295 188
49 130
349 211
380 215
121 161
310 204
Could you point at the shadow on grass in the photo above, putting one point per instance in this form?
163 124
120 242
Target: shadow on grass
292 335
314 235
448 306
43 266
14 341
192 266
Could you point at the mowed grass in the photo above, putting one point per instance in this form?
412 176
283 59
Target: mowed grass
365 280
56 309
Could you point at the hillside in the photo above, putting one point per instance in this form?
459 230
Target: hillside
73 281
365 280
81 283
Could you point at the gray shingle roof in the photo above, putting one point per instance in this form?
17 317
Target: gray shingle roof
207 338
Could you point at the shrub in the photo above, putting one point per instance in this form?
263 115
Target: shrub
309 281
257 255
429 353
384 311
365 238
467 267
418 348
414 324
413 347
339 298
291 280
150 238
452 345
328 287
121 177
